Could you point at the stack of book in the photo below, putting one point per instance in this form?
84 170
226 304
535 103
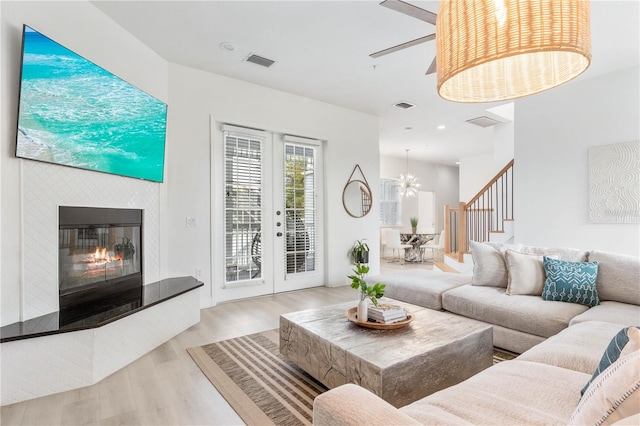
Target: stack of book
386 314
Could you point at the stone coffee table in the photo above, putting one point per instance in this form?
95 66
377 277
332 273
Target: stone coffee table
436 350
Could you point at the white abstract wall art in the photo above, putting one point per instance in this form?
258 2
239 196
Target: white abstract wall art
614 183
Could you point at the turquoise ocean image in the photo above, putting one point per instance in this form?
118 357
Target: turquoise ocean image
75 113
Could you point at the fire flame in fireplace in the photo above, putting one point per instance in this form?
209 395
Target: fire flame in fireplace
103 255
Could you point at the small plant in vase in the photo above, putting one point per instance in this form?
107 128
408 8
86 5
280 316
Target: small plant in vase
373 292
414 224
360 252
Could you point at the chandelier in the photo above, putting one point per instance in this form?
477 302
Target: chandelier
408 183
494 50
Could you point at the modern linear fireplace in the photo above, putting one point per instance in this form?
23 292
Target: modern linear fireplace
100 261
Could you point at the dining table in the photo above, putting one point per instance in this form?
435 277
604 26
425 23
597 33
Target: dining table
414 253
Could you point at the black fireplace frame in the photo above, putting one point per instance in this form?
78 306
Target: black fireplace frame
109 294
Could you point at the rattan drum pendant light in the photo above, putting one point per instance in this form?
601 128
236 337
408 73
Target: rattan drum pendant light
494 50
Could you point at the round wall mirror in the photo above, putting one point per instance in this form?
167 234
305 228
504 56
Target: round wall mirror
356 198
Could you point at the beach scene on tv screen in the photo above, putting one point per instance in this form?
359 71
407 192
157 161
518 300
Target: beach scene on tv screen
75 113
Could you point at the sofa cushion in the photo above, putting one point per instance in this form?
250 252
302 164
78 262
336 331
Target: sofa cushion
615 312
564 253
618 277
573 282
624 342
613 395
529 314
419 286
526 273
489 268
351 404
578 347
509 393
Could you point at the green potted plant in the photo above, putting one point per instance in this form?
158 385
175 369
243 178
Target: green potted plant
373 292
360 252
414 224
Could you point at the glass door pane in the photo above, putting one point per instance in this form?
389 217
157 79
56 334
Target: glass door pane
300 208
243 207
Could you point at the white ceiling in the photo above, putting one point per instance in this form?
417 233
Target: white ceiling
322 48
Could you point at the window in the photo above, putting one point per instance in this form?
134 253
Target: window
390 198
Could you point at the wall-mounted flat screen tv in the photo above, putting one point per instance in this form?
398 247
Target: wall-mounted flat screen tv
75 113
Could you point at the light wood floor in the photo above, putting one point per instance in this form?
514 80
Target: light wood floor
165 387
387 266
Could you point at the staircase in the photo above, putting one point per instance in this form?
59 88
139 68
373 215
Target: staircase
488 216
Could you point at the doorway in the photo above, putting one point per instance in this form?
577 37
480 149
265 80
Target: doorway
271 213
426 212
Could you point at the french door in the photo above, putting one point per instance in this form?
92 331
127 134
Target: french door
272 221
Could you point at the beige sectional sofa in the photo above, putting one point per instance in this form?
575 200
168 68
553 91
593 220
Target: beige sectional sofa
561 344
540 387
520 321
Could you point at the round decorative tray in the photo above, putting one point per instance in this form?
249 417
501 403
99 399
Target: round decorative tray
352 315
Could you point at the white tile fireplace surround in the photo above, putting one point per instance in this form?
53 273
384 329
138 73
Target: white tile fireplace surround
98 352
47 186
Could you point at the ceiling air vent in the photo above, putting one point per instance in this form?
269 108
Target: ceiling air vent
483 121
259 60
404 105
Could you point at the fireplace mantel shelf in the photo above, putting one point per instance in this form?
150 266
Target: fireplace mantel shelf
47 325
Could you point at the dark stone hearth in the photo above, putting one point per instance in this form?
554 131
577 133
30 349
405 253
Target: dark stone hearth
86 317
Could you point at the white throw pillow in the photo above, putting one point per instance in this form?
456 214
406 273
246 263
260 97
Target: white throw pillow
614 394
489 268
526 274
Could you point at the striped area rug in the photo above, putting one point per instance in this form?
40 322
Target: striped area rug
500 355
261 385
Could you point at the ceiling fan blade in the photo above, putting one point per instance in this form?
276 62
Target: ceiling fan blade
403 46
411 10
432 67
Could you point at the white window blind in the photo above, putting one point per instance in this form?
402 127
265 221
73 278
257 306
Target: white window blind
243 206
300 207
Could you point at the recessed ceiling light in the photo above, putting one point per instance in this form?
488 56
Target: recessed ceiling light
457 162
225 45
441 127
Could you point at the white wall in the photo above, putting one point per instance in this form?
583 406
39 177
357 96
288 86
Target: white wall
476 171
503 145
441 179
84 29
195 96
553 133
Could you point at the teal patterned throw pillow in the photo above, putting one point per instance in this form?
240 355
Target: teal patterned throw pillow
611 354
573 282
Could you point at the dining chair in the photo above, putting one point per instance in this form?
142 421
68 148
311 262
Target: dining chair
393 242
383 241
434 245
